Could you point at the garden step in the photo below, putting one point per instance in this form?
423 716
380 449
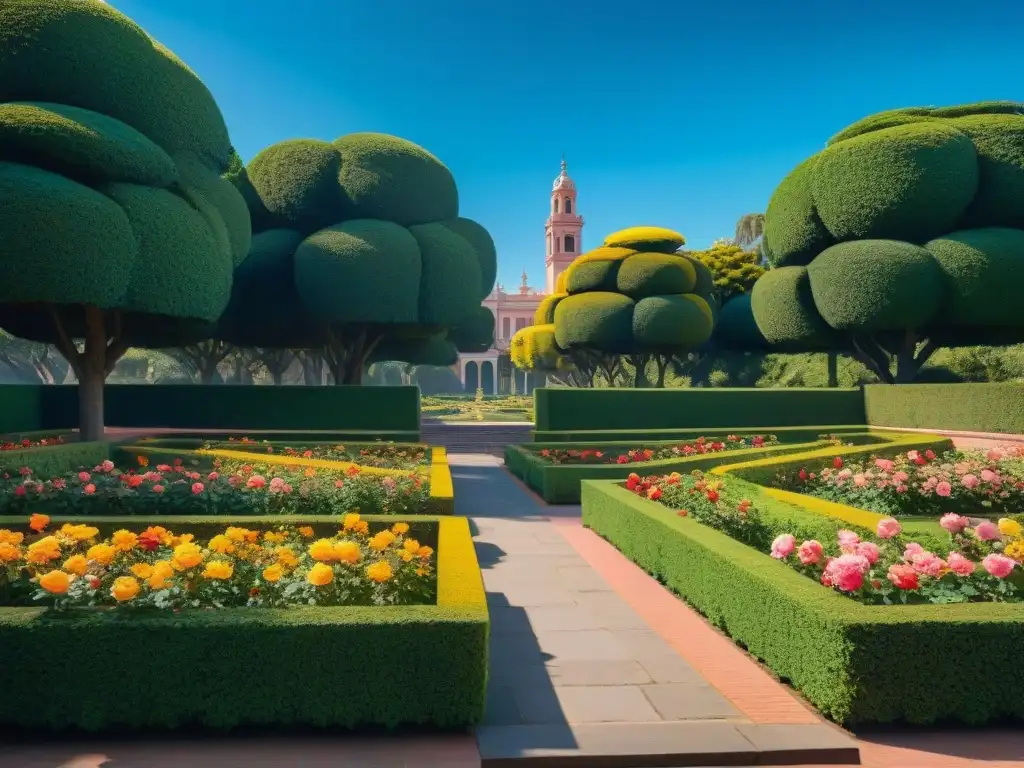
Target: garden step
663 745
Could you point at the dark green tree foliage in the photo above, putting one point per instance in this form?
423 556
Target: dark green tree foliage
359 251
117 227
635 296
905 234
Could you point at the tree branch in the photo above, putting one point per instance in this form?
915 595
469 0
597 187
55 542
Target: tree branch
64 344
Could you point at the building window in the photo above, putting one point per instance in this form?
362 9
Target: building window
568 205
570 244
556 205
556 244
506 324
520 323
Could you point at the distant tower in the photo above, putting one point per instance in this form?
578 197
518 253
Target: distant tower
563 230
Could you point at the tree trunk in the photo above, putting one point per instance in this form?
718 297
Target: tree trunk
662 361
277 376
90 403
833 369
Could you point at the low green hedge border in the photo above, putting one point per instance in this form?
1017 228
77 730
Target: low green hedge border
857 664
321 667
578 437
50 460
989 407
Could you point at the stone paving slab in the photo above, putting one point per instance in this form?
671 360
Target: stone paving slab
578 676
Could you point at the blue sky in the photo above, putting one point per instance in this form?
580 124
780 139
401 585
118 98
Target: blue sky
677 113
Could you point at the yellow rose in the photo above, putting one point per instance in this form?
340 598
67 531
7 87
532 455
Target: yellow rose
79 532
347 552
320 575
1015 549
407 556
55 582
274 538
187 556
273 573
101 553
141 570
362 527
125 588
286 557
124 541
350 521
322 549
379 572
425 552
382 541
411 545
10 537
400 528
76 564
306 531
218 569
9 553
162 573
221 544
185 538
44 550
1009 527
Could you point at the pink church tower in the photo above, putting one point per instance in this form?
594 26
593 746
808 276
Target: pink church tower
563 230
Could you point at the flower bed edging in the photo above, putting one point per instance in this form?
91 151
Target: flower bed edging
857 664
330 667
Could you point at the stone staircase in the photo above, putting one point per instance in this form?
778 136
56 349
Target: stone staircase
474 437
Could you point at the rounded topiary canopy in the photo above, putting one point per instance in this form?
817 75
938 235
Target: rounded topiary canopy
908 221
633 294
380 242
111 155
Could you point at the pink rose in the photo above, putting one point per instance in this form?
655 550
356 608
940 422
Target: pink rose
84 476
888 528
999 566
89 490
810 552
848 539
987 531
235 480
988 475
783 546
959 564
276 485
885 465
970 481
846 572
994 454
197 488
901 489
20 490
212 476
256 481
913 548
844 474
903 576
107 466
869 550
158 489
860 480
928 563
943 488
953 522
900 477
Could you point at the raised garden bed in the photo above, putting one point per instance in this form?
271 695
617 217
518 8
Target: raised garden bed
315 665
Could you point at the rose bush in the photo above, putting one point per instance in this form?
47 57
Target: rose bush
695 447
157 568
7 445
920 483
382 456
981 563
233 487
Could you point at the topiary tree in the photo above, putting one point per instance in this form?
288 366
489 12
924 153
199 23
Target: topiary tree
905 234
634 296
117 227
357 241
734 270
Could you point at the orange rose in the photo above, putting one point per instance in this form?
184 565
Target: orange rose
38 522
55 582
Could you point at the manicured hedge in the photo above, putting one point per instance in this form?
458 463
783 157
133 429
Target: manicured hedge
858 664
49 460
388 413
560 483
580 437
325 667
957 407
562 409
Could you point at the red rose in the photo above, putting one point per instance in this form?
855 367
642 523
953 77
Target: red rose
149 541
712 495
837 462
682 513
654 493
803 475
903 576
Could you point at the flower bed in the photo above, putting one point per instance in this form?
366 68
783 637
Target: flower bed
856 663
228 482
626 455
973 483
558 482
263 659
404 456
283 566
41 442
